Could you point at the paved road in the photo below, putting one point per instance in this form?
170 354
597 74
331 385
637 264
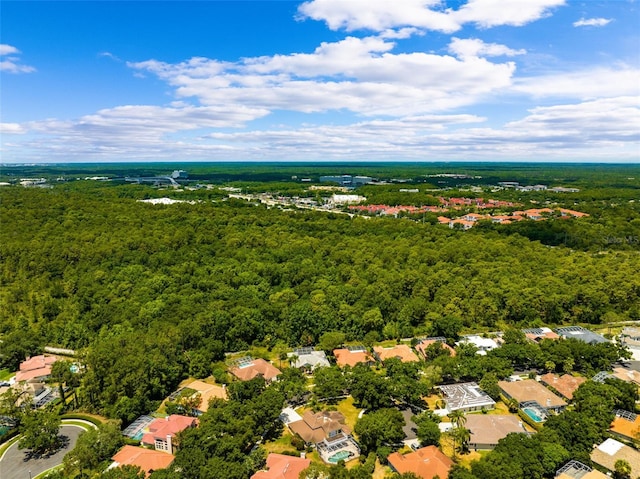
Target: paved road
15 464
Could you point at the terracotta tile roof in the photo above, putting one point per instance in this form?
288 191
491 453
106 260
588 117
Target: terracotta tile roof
401 351
36 367
280 466
426 463
258 367
346 357
628 375
531 390
565 384
148 460
207 393
315 427
626 428
169 426
422 346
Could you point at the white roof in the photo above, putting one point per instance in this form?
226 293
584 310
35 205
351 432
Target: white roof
289 415
610 447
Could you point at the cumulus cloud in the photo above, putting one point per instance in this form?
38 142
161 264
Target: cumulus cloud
11 128
10 63
473 47
379 15
362 75
592 22
588 83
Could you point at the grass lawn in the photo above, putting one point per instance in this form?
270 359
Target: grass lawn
5 374
349 411
281 444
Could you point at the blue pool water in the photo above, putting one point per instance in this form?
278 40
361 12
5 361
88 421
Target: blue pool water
339 456
532 414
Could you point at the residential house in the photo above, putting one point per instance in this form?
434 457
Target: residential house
148 460
308 359
400 351
538 334
627 375
564 385
247 368
610 451
37 368
529 392
483 345
576 470
352 355
422 346
426 463
161 432
280 466
330 434
626 426
581 334
487 429
207 392
466 397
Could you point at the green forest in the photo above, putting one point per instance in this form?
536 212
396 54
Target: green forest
151 294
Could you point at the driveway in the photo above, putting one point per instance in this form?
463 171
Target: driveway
16 464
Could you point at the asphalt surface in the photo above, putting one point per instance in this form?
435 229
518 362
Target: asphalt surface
16 463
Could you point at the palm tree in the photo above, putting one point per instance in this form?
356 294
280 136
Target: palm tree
458 418
461 435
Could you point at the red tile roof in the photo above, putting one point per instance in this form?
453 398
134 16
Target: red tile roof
280 466
345 357
169 426
401 351
36 367
258 367
422 346
426 463
148 460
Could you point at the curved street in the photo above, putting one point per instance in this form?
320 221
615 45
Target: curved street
16 464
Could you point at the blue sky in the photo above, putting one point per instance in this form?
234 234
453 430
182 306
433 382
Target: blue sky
322 80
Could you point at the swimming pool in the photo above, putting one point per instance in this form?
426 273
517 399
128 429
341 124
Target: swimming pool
339 456
533 414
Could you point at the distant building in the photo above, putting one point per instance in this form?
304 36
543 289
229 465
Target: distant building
581 334
179 175
466 397
346 199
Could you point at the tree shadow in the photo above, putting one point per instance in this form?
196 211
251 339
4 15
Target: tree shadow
62 443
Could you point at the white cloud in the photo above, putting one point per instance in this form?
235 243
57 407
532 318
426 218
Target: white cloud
379 15
592 22
10 63
361 75
11 128
8 49
473 47
589 83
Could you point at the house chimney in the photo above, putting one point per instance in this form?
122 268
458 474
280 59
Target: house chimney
169 444
548 402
